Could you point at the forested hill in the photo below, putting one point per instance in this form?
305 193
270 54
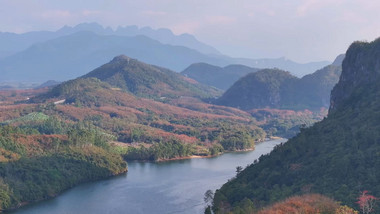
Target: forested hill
146 80
275 88
220 77
81 130
257 90
337 157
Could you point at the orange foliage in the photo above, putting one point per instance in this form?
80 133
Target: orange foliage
38 144
10 96
306 204
6 156
78 113
12 111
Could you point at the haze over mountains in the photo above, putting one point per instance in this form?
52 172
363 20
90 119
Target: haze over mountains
11 43
74 51
219 77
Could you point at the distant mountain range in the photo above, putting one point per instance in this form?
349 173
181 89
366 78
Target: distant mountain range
11 43
273 88
71 56
219 77
73 51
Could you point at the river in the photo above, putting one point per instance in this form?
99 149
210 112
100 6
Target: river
165 187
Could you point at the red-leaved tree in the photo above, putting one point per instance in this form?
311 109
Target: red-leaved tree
366 202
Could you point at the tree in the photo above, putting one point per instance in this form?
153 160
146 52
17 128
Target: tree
208 210
5 199
238 169
345 210
208 197
366 202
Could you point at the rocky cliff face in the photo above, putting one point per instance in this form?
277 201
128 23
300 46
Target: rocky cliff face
361 67
337 157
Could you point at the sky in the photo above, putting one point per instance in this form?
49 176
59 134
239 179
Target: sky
301 30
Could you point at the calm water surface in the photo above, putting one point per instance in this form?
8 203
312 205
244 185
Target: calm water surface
168 187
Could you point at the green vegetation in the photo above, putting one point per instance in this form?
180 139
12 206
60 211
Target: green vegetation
161 151
337 157
257 90
286 123
83 129
80 92
31 117
152 123
273 88
225 139
149 81
36 167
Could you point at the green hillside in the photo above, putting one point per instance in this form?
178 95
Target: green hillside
149 81
273 88
337 157
257 90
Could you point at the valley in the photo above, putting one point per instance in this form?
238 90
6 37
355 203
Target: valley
125 110
163 108
152 187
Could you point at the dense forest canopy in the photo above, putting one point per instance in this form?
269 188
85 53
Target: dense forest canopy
337 157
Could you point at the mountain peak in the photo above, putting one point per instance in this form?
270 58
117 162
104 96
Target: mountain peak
257 90
361 67
122 59
147 80
339 59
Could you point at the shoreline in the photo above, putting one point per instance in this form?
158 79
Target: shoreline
186 158
211 156
31 203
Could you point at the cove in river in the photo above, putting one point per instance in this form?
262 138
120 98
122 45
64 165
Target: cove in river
165 187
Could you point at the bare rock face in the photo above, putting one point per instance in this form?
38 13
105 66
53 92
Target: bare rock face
361 67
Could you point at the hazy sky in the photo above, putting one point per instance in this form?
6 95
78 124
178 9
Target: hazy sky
302 30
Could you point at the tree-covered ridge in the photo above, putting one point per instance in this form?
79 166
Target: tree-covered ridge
337 157
138 120
36 166
256 90
84 128
150 81
273 88
87 92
